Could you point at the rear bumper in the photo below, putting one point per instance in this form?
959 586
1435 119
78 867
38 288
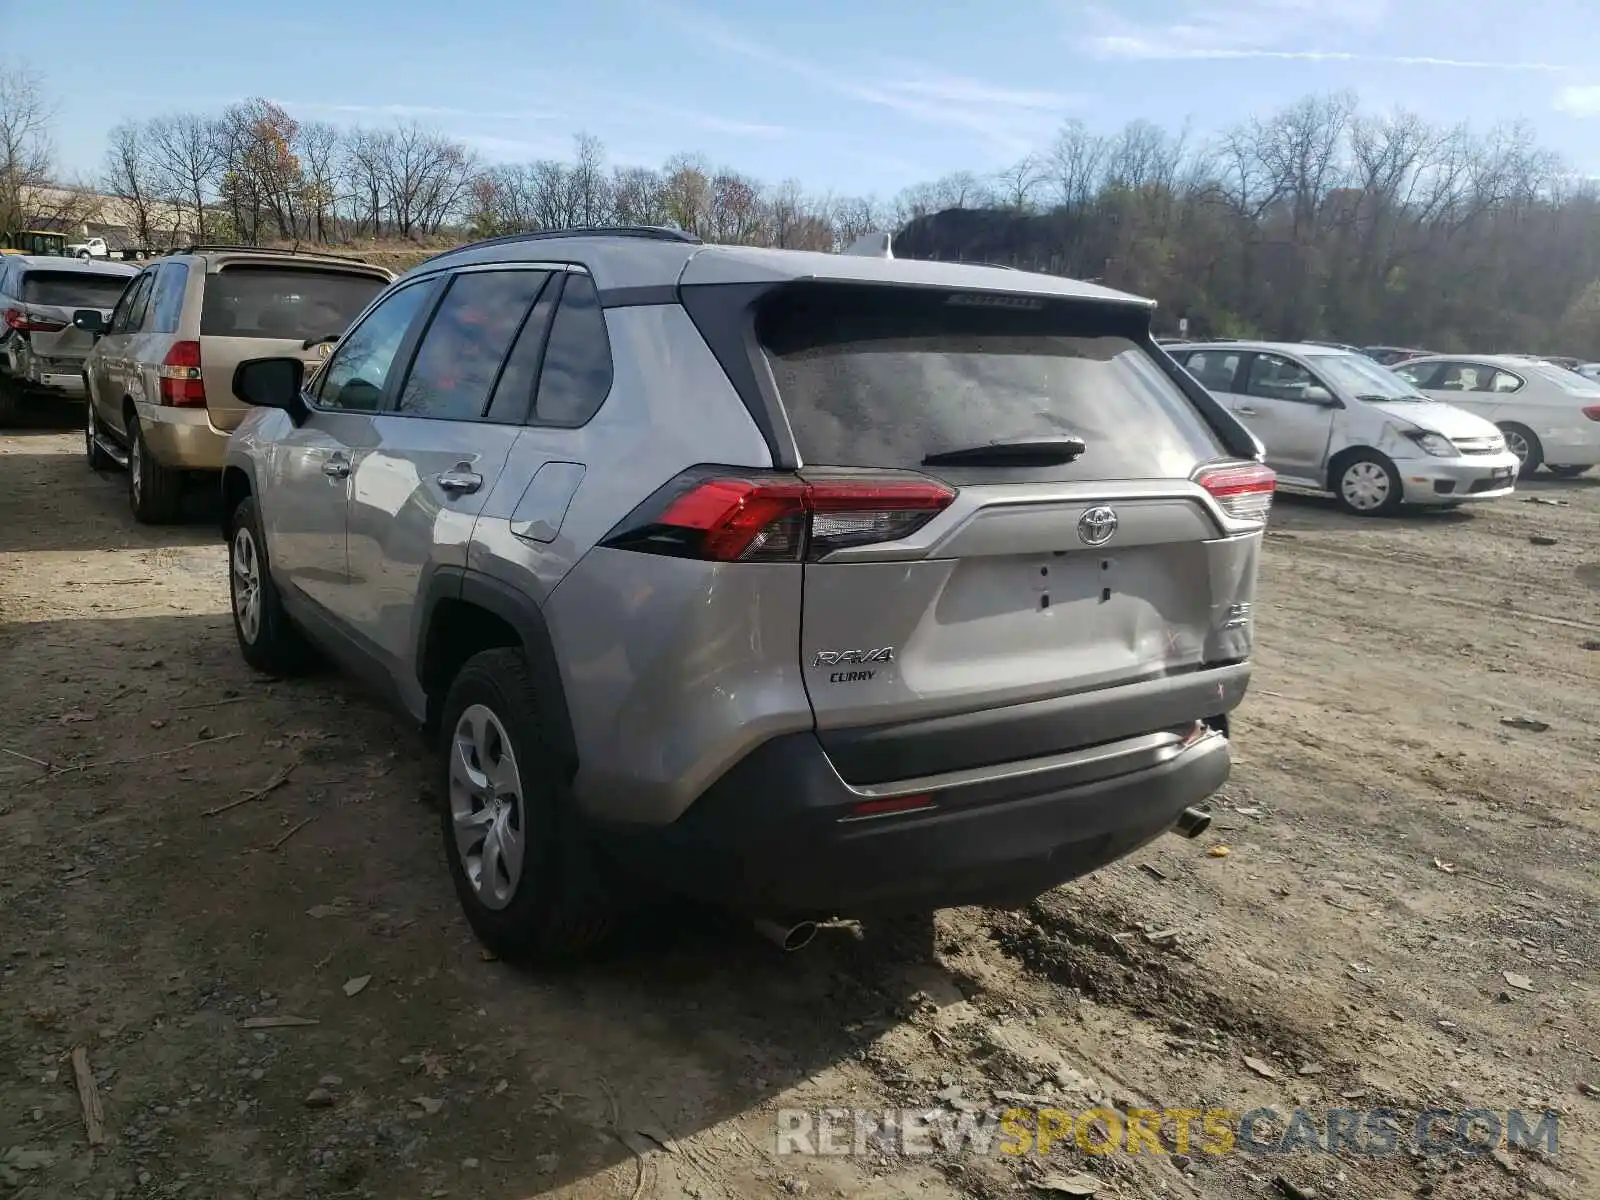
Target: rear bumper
1455 480
774 836
1572 448
58 376
183 438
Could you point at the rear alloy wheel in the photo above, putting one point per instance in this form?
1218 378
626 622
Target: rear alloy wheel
98 459
1566 472
154 492
1367 485
1523 442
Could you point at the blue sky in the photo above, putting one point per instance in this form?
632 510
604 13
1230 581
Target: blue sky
849 96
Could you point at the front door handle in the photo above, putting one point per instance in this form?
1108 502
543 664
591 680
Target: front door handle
1246 412
459 482
336 468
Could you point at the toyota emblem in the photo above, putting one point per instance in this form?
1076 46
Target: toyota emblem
1096 526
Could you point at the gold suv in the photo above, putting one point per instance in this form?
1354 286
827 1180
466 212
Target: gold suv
160 375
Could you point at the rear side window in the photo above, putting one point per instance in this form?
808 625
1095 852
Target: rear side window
72 289
466 342
166 303
283 302
576 376
884 377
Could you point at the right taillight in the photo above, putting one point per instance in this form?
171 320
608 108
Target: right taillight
778 518
1244 490
1592 411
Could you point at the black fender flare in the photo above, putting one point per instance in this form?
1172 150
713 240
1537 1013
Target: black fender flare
520 611
248 470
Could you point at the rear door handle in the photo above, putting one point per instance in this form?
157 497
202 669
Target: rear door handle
459 482
1246 412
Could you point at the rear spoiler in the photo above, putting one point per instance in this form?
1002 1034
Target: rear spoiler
872 245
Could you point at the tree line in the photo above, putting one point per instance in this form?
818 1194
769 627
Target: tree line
1317 220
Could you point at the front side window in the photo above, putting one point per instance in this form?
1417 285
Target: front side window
1275 378
1215 369
466 343
355 376
1420 375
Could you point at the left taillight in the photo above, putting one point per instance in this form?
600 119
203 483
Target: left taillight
777 518
28 322
1244 490
179 377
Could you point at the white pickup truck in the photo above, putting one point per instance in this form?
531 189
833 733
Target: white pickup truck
95 247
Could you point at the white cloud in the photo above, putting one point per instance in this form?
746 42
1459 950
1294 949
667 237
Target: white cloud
1006 119
505 149
420 111
1579 100
1290 30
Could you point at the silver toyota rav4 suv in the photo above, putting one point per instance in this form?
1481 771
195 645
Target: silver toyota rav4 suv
808 584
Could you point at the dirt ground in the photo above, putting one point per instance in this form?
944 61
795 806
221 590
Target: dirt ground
1406 917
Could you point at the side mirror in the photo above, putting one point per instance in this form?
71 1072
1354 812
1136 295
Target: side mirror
272 383
90 321
1320 396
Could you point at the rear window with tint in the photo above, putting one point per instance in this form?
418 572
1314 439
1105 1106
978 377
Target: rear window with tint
877 377
281 302
73 289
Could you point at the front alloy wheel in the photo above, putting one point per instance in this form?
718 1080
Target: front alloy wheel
246 569
487 807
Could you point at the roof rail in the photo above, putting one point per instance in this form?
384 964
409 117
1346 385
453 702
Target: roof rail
658 233
213 247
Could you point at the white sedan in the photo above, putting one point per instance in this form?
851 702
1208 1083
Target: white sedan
1550 416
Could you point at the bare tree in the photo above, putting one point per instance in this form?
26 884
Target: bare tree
1018 184
318 146
130 176
26 149
187 154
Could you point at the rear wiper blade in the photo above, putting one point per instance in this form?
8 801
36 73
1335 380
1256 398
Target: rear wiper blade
1032 452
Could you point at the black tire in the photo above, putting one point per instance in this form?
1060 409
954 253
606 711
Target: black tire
557 908
93 453
1535 452
276 646
1349 496
155 492
10 402
1570 472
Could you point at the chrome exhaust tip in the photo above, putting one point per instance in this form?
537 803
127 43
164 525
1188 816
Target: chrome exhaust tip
1192 822
786 937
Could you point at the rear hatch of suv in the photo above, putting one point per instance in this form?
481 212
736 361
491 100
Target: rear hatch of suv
256 309
1008 516
49 298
